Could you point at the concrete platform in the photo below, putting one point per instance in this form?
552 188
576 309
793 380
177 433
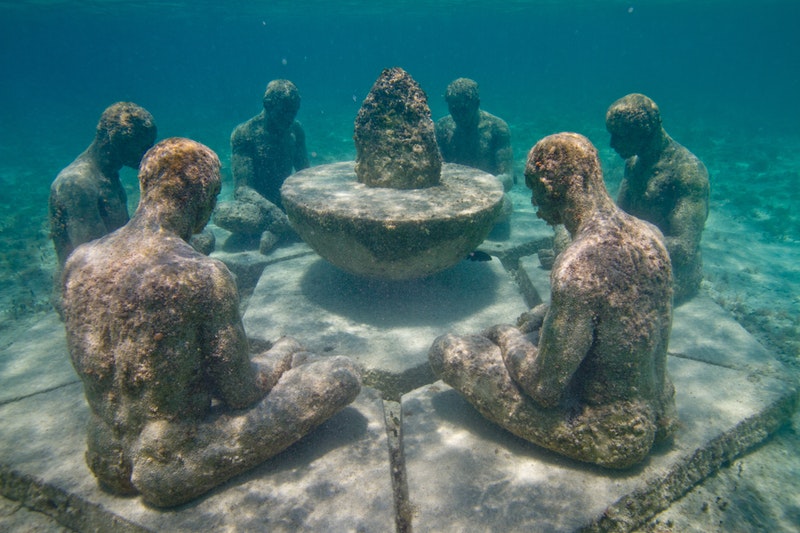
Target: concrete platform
34 358
335 479
730 395
486 479
459 473
463 473
386 326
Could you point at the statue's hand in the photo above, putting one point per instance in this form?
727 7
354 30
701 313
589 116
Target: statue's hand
271 364
519 353
531 321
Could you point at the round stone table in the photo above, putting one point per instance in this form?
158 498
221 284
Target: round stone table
392 233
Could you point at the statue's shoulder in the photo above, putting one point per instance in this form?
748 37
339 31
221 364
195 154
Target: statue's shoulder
245 131
75 177
495 121
445 123
576 268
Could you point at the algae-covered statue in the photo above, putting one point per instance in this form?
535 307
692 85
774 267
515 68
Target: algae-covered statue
585 377
87 199
266 149
177 405
471 136
397 212
664 184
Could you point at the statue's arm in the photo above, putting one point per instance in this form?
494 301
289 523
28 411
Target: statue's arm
233 374
503 151
566 338
443 129
285 353
688 217
624 195
80 201
300 156
242 158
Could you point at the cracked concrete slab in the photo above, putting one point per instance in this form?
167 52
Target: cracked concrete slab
34 358
386 326
485 478
335 479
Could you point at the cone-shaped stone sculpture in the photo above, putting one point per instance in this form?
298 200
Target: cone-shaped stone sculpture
394 135
398 212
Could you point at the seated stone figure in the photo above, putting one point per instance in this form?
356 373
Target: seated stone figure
266 149
87 199
664 184
177 405
472 137
585 376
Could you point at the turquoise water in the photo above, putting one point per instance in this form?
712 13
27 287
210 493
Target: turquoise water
726 76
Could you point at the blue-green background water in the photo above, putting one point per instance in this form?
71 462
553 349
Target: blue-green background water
200 68
725 74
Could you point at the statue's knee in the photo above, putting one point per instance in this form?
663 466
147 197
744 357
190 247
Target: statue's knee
106 457
440 352
618 438
161 473
112 470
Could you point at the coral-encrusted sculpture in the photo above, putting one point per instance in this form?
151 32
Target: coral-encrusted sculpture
587 376
394 135
664 184
397 213
154 332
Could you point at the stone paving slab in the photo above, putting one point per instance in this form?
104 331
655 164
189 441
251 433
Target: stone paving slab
335 479
16 518
729 397
466 474
539 277
35 359
758 492
386 326
248 265
700 327
41 460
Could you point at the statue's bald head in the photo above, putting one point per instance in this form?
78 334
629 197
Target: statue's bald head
564 173
181 175
633 121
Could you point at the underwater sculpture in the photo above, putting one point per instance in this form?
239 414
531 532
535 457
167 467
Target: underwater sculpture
470 136
664 184
87 199
154 332
585 376
397 212
268 147
265 150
